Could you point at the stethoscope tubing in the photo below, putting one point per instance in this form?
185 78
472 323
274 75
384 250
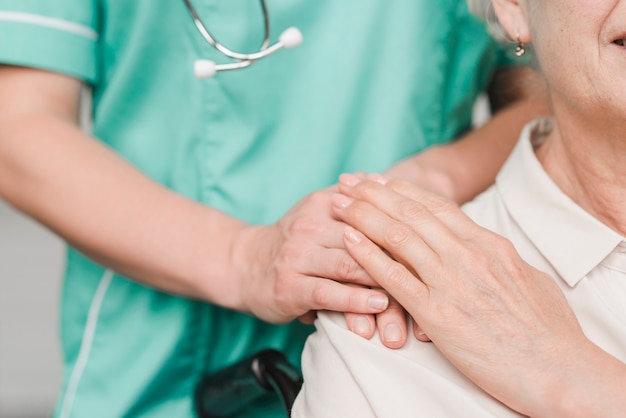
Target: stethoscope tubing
203 68
263 50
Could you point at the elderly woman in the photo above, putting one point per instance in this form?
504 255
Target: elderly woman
542 333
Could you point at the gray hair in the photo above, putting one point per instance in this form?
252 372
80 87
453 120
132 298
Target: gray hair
484 10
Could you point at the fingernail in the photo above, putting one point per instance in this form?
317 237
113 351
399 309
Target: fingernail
341 201
392 333
361 325
353 235
378 302
378 178
418 332
349 179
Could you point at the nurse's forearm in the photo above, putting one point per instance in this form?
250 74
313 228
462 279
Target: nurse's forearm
462 169
473 161
91 197
120 218
111 212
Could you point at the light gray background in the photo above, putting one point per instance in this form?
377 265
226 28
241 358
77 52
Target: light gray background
30 271
31 266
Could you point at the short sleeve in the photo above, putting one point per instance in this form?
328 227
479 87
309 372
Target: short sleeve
55 35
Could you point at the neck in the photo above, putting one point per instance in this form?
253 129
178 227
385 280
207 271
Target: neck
585 155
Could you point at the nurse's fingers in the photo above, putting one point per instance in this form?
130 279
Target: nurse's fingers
391 324
419 333
314 294
362 325
308 318
311 223
336 264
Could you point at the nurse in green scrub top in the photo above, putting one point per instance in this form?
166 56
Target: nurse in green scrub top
197 212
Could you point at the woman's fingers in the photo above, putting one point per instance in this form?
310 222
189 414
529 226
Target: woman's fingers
398 238
407 202
393 276
419 234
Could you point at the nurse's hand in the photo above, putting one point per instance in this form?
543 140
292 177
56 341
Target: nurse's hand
391 324
299 265
503 323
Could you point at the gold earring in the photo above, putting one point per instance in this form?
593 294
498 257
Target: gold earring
520 48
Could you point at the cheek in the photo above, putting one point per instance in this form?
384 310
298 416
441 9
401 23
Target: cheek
565 54
556 29
567 40
574 75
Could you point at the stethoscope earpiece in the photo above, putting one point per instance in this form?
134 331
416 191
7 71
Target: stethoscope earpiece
204 69
289 38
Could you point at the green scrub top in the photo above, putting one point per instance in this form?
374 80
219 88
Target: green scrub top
373 82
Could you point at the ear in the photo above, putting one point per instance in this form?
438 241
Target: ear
512 15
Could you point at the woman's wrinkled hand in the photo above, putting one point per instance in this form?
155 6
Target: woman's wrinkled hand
500 321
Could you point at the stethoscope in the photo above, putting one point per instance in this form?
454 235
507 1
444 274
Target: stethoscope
289 38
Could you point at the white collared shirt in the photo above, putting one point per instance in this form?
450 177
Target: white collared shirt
348 376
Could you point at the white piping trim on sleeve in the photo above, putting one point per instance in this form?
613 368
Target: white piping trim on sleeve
50 22
85 346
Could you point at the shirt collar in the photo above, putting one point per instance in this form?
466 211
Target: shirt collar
571 239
